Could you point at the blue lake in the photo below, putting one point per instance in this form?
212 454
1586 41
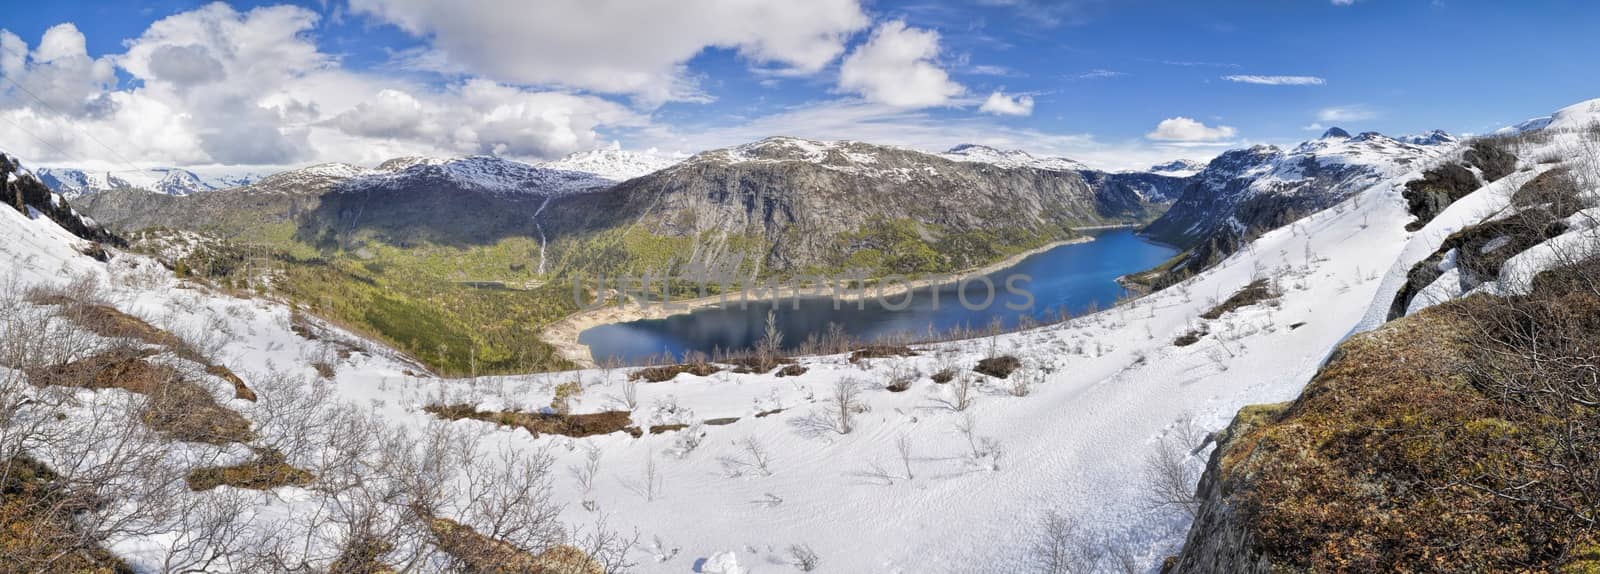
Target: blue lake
1069 278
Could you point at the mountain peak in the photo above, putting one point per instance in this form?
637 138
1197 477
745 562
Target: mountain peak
1178 168
1335 132
613 163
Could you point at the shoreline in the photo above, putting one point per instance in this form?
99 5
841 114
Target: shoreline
563 334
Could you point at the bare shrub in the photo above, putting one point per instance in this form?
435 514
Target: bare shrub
1060 546
842 405
802 557
1172 470
754 457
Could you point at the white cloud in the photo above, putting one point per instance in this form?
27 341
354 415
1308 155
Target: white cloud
216 86
1181 129
58 75
1355 113
917 129
1276 80
1100 74
620 46
897 66
1002 105
1343 2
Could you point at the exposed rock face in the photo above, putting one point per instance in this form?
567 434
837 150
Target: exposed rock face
814 203
1218 541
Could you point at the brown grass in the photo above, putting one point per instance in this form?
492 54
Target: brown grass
176 406
240 390
1413 450
998 367
576 426
944 376
1257 291
267 471
792 371
668 372
881 352
363 555
35 536
481 554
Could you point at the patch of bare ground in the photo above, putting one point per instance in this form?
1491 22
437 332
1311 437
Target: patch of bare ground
175 405
881 352
998 367
1257 291
666 373
479 554
106 321
267 471
37 533
572 425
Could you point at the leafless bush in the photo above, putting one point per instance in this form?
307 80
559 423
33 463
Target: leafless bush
754 457
963 392
1060 546
803 557
586 474
1172 470
842 405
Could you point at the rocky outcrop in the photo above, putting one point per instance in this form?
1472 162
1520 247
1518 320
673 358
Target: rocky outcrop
1218 541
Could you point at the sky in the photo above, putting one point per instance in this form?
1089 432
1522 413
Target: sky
1116 84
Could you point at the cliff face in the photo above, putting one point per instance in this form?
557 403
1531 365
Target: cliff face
814 204
1219 541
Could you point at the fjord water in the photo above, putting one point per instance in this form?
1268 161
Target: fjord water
1069 277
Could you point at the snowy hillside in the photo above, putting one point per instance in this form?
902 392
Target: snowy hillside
1009 158
910 463
71 182
612 163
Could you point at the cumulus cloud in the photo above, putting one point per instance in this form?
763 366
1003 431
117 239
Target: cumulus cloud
185 65
1276 80
216 86
1002 105
619 46
897 66
860 120
1355 113
1181 129
58 75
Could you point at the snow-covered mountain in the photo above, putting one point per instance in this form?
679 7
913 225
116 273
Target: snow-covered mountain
1178 168
73 182
1247 191
1009 158
613 163
477 173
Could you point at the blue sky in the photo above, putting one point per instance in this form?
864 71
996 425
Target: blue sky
1117 84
